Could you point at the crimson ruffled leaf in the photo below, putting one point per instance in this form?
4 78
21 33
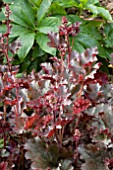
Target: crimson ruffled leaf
80 105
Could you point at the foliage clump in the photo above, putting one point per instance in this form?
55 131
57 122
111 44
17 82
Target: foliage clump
58 118
31 20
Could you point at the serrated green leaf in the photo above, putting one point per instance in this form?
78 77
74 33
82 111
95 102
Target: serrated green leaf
27 41
43 9
42 41
49 24
23 14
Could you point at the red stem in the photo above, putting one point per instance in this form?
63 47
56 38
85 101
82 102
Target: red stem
17 107
5 45
56 134
69 49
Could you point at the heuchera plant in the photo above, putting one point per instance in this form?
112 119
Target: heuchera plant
60 118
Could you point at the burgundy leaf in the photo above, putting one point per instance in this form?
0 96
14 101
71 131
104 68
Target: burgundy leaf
54 40
51 133
14 46
80 105
31 121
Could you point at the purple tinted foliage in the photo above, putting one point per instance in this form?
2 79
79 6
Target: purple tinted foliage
3 166
60 117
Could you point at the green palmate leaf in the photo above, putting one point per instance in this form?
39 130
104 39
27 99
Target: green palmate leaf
83 2
49 24
71 18
27 41
36 2
19 75
55 9
37 52
43 9
108 42
42 41
67 4
104 52
78 47
74 18
17 30
104 13
28 13
96 24
2 16
3 29
91 30
31 65
17 17
93 1
26 19
8 1
25 65
1 143
99 11
22 14
88 41
108 30
93 9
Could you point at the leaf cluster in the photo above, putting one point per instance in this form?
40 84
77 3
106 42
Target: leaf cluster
58 118
32 20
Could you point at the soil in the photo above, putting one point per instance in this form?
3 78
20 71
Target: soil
108 4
